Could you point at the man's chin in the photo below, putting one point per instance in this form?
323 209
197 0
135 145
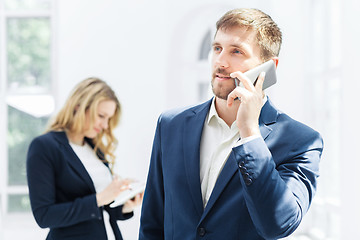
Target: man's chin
222 95
222 91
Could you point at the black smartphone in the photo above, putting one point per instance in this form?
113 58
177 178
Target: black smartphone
270 77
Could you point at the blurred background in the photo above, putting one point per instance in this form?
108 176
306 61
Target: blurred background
155 56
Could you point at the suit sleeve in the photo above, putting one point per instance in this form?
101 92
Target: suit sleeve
152 214
278 195
41 174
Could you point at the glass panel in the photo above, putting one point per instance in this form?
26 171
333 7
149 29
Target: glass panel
22 128
205 47
28 53
19 203
27 4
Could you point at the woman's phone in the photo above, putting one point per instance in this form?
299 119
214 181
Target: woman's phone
135 188
270 77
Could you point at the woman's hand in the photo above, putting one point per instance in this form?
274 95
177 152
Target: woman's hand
112 191
131 204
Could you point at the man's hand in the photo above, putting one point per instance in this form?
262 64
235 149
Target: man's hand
251 98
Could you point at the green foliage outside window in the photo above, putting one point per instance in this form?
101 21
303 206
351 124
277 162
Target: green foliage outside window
19 203
28 52
22 128
28 67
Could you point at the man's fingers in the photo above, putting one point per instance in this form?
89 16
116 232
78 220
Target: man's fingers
238 92
230 99
243 79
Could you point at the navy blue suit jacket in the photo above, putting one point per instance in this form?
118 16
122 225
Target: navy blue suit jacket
263 191
62 194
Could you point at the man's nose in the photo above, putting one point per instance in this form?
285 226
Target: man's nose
222 60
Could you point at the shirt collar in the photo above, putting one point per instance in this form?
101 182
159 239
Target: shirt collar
212 112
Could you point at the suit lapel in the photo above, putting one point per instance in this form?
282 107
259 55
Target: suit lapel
73 160
264 130
230 168
191 139
268 116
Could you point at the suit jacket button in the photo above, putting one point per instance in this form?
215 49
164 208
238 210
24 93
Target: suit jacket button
201 231
242 169
248 181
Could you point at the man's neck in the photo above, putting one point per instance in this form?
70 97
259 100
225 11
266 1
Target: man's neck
228 114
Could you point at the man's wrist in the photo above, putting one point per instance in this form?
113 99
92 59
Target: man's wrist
249 133
245 140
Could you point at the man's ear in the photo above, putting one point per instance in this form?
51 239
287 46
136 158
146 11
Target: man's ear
276 60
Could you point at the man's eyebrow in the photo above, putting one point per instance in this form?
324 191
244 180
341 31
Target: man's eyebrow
232 45
243 47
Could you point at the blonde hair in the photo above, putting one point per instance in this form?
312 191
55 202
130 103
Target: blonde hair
268 34
86 96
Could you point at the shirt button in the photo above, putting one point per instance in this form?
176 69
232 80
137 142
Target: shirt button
201 231
93 215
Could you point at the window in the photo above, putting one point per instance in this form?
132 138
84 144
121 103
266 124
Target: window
26 91
204 86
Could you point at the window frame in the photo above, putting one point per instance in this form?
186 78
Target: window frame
5 189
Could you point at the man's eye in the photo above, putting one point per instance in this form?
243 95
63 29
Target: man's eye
217 49
238 52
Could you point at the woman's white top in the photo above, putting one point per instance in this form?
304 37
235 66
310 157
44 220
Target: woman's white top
99 173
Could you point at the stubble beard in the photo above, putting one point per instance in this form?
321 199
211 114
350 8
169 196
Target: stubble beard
221 90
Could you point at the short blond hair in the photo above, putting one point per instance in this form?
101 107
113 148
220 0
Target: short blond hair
86 96
268 34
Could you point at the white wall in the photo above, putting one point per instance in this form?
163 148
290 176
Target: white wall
350 128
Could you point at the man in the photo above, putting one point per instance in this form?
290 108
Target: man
233 167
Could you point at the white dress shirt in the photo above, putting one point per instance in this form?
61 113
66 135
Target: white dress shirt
217 141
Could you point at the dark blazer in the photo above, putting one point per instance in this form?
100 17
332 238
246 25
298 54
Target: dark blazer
263 191
62 194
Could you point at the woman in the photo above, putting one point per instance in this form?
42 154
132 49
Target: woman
69 168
